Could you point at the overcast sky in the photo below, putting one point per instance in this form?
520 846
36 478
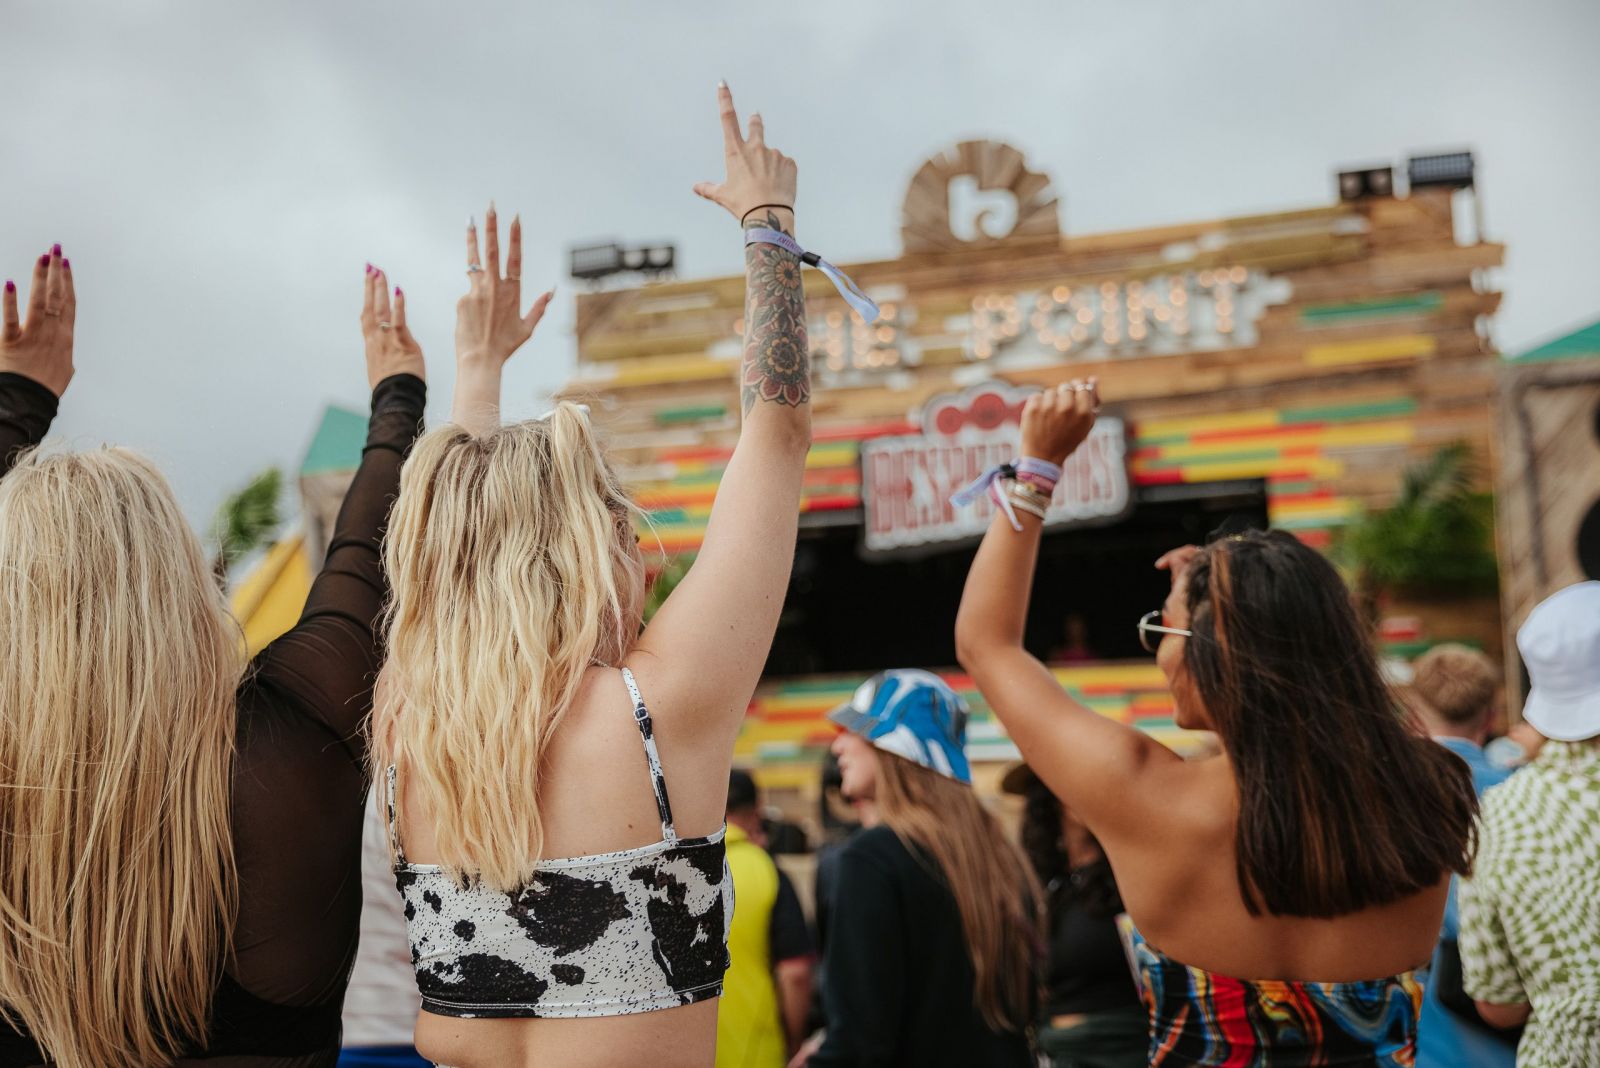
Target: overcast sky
219 172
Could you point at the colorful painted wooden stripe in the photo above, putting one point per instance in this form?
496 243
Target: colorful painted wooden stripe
691 414
1373 350
1315 315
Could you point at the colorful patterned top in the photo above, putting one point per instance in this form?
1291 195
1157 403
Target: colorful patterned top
1200 1018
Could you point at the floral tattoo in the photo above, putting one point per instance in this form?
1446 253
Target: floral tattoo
777 361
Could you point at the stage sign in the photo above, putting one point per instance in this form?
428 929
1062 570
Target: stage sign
906 481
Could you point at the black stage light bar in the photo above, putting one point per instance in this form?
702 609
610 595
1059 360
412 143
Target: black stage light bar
1447 170
592 262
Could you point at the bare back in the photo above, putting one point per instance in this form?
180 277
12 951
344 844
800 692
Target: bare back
1180 886
595 797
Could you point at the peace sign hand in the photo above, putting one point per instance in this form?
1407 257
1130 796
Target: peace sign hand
757 175
41 347
490 325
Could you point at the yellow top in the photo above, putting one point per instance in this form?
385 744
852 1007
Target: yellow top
749 1029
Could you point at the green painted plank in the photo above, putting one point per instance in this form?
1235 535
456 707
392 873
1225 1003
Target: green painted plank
1289 489
1349 413
1214 458
1375 308
337 444
1311 523
692 414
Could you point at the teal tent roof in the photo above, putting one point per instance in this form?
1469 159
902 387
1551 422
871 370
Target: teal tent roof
337 444
1585 341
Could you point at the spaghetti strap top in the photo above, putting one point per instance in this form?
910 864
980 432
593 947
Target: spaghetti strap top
608 934
1202 1018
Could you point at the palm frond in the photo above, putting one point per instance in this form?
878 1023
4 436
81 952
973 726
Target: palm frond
248 518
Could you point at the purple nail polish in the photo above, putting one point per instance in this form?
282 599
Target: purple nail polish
11 287
66 264
397 292
55 250
44 261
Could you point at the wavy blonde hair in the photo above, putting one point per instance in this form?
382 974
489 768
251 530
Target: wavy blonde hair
996 891
511 573
119 666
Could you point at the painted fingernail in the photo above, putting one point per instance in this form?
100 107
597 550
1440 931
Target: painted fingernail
722 83
369 268
11 287
397 292
66 265
44 261
55 250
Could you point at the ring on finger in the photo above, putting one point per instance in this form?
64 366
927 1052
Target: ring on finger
513 278
385 325
474 268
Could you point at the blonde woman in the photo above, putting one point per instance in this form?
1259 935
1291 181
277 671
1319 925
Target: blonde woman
180 833
559 777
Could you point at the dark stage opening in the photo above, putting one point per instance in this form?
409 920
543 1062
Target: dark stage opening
847 612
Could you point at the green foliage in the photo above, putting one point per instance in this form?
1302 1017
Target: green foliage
666 582
1437 537
248 519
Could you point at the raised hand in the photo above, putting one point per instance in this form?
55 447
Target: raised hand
758 176
391 350
41 346
1055 422
490 325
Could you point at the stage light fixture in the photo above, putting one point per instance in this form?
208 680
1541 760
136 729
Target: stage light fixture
1366 182
591 263
1447 170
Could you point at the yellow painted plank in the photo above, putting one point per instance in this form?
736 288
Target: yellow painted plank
1316 468
1372 350
1160 428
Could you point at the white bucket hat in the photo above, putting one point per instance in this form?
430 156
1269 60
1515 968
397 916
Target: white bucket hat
1560 644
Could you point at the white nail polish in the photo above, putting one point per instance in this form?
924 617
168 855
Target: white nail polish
721 84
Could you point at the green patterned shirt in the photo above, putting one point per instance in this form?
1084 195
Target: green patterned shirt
1530 914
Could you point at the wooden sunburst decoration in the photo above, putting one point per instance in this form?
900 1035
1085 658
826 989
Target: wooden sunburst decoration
925 217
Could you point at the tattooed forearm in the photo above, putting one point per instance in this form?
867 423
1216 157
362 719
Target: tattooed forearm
777 362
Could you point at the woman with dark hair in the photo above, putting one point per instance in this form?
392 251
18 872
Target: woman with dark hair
1300 876
1091 1015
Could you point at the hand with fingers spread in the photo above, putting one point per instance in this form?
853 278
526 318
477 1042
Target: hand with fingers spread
758 177
40 346
1055 422
391 350
490 325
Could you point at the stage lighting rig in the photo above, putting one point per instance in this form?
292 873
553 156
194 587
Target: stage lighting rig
591 263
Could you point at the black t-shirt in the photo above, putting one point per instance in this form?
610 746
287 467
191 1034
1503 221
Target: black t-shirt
900 982
299 781
787 936
1088 968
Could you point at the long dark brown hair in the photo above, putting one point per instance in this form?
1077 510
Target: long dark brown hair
1091 887
995 891
1341 805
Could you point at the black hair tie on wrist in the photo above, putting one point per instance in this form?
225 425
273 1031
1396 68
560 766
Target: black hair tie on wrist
758 207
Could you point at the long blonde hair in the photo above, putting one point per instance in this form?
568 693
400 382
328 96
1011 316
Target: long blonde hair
510 576
119 666
995 888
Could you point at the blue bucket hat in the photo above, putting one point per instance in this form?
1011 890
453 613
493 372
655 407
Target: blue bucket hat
912 714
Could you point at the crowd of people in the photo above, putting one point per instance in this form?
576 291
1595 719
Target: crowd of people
471 721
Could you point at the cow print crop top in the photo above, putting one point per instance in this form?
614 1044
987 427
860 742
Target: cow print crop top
604 935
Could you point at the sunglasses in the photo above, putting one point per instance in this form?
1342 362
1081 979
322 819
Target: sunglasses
1152 624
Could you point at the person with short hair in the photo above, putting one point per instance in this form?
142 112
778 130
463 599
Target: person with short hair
767 991
1455 690
1530 917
